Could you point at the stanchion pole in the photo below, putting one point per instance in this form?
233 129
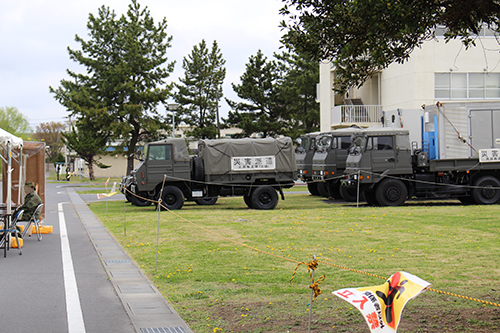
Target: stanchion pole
158 226
125 216
357 191
311 300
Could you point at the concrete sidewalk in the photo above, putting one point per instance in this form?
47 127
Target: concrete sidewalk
148 310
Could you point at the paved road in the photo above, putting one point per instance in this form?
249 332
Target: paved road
93 287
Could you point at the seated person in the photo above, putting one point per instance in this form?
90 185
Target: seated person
31 201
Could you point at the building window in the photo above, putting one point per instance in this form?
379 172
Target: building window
467 85
486 31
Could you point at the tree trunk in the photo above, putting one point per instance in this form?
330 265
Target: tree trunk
90 164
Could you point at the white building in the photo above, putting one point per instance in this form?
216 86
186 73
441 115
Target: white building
469 79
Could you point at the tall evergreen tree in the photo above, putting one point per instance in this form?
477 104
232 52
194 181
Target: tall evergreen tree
200 90
299 91
126 61
265 105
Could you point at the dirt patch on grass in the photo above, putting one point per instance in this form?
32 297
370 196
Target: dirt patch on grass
260 317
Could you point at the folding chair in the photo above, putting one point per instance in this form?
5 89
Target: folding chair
12 228
36 222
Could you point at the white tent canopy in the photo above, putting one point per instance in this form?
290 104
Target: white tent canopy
10 141
6 137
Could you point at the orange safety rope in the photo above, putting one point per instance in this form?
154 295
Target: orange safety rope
312 265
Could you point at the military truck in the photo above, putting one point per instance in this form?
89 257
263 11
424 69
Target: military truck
388 170
329 162
306 147
253 168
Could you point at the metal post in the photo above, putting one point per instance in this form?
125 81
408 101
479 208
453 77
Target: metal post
125 217
357 191
158 226
172 108
311 300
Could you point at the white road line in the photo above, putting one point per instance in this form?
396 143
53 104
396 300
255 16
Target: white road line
73 308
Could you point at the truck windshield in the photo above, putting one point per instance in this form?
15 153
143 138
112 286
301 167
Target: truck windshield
357 145
159 152
324 142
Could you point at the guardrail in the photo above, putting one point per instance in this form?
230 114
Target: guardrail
357 113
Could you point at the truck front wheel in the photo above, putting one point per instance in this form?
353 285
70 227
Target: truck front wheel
206 202
391 192
141 200
172 198
486 190
264 197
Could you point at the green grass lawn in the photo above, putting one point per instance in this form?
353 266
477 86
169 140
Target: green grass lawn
217 284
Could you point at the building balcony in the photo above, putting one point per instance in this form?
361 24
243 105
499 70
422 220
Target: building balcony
362 115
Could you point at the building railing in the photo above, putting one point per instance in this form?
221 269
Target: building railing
357 114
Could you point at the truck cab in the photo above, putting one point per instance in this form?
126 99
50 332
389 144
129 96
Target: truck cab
306 147
329 161
375 155
168 158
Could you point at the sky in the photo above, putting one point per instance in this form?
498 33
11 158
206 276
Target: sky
35 35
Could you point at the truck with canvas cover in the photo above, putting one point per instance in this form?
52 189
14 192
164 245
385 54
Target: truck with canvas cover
253 168
388 170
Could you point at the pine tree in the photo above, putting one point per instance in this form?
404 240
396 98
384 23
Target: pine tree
299 90
200 90
127 66
261 87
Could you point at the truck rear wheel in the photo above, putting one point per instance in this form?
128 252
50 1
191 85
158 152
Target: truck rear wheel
312 187
334 190
206 202
264 197
322 190
172 198
349 194
391 192
487 191
140 200
370 198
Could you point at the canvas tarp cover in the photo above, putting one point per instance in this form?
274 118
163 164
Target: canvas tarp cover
217 153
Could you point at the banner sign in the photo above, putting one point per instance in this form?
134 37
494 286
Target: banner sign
253 163
382 306
489 155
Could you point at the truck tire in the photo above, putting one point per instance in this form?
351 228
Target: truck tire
487 191
248 200
140 200
198 169
349 194
172 198
391 192
322 190
312 187
206 202
264 197
334 190
370 198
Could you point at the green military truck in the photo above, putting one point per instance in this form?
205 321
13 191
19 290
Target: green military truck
253 168
306 147
388 170
329 162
